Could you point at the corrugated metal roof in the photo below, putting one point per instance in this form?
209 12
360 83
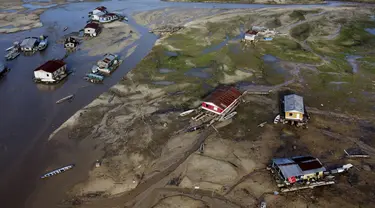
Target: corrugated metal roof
298 166
223 96
293 102
101 8
92 25
251 32
28 42
290 170
51 66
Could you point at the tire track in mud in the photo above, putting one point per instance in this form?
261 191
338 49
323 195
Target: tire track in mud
134 195
196 194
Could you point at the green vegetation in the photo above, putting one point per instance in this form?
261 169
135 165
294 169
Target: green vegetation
333 84
301 32
298 14
288 50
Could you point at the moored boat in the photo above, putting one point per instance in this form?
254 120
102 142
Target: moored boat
64 99
94 78
57 171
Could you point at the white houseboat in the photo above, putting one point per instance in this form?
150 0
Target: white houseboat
97 13
110 17
53 71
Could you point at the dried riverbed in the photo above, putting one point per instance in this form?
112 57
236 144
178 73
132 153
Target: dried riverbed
132 126
147 161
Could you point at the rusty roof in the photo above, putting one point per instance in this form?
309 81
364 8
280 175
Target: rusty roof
223 96
92 25
51 66
251 32
101 8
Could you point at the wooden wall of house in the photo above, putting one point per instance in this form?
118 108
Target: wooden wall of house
293 115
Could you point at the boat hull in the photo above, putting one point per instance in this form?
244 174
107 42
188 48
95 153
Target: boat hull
57 171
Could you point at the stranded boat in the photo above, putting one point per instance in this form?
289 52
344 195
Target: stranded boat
57 171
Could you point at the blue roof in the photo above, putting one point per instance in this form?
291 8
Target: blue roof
298 166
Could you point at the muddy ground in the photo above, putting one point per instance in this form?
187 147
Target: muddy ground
147 160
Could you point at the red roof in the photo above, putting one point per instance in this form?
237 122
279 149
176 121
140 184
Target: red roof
251 32
223 96
101 8
51 66
92 25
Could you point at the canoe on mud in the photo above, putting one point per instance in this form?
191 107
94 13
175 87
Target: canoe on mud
57 171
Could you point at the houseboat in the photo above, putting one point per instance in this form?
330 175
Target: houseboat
53 71
250 35
92 29
70 43
97 13
3 69
293 111
32 44
110 17
222 101
302 172
107 65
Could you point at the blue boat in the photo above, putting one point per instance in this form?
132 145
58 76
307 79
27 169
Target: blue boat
268 38
94 78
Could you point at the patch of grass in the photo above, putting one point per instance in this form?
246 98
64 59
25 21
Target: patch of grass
301 32
354 34
287 50
298 14
336 65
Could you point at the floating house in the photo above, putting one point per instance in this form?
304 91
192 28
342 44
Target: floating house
250 35
53 71
294 109
222 100
70 43
106 65
31 44
97 13
110 17
297 169
92 29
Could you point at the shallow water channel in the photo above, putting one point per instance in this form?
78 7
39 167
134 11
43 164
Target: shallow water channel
28 111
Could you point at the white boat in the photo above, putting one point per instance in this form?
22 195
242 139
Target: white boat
277 119
57 171
186 112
